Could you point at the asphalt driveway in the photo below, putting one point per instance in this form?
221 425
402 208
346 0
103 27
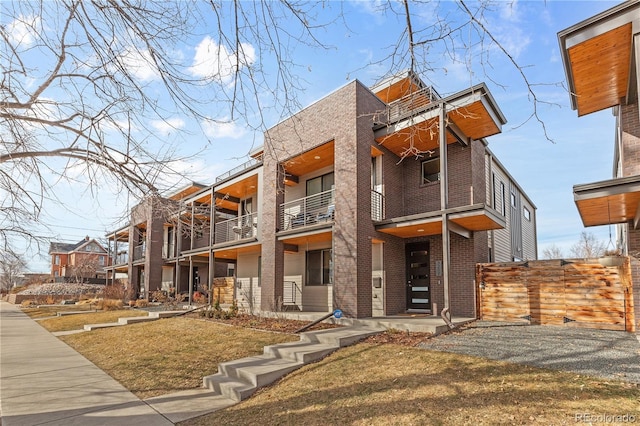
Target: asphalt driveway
600 353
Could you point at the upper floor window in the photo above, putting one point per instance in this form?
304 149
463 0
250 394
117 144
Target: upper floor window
503 200
430 170
57 260
320 184
101 259
526 213
513 200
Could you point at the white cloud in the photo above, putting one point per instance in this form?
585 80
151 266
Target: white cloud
140 64
167 126
21 30
509 11
214 61
223 129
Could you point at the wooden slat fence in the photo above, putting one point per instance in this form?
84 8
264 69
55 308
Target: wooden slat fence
574 293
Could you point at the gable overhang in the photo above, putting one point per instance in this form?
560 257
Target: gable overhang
600 57
609 202
470 114
462 221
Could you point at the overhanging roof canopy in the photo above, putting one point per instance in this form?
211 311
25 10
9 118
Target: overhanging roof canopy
473 113
476 217
599 58
609 201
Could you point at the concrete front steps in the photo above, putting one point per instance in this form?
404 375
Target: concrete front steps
239 379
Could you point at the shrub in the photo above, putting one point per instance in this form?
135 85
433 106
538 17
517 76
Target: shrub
27 303
110 304
159 296
114 291
199 298
142 303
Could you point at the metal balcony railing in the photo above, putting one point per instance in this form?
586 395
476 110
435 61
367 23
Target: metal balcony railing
377 206
410 104
311 210
120 259
236 229
139 252
242 167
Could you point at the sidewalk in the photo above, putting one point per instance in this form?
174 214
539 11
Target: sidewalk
44 381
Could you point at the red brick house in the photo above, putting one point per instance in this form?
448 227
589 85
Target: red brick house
84 259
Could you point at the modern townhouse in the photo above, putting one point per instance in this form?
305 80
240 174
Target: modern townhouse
601 61
352 205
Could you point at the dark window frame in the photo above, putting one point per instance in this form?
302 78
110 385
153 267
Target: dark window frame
433 176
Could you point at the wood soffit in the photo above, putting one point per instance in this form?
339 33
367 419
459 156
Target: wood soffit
475 121
474 220
311 160
608 202
600 69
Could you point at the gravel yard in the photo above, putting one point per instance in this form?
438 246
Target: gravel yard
600 353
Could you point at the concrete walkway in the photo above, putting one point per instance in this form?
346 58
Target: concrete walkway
44 381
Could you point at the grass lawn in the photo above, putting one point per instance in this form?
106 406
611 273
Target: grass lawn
51 311
168 355
389 384
77 321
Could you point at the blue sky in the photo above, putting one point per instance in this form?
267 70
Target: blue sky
581 150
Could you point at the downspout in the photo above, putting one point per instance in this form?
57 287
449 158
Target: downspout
444 203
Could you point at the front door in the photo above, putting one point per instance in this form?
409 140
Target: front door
418 284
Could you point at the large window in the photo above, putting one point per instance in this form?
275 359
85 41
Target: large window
319 267
320 184
430 170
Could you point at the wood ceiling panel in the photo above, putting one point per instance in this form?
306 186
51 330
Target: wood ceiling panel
600 68
309 239
232 253
397 90
475 121
240 188
309 161
419 230
611 209
479 222
422 137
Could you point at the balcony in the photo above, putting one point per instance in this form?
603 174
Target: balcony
120 259
377 206
410 104
314 209
236 229
139 252
239 169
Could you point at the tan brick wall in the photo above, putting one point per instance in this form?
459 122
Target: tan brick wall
630 124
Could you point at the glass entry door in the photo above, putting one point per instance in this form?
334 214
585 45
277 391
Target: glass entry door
418 282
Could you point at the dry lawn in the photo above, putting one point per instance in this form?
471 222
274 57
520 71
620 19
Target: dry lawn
52 311
77 321
168 355
389 384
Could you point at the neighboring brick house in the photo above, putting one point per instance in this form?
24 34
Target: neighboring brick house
84 259
344 208
601 61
